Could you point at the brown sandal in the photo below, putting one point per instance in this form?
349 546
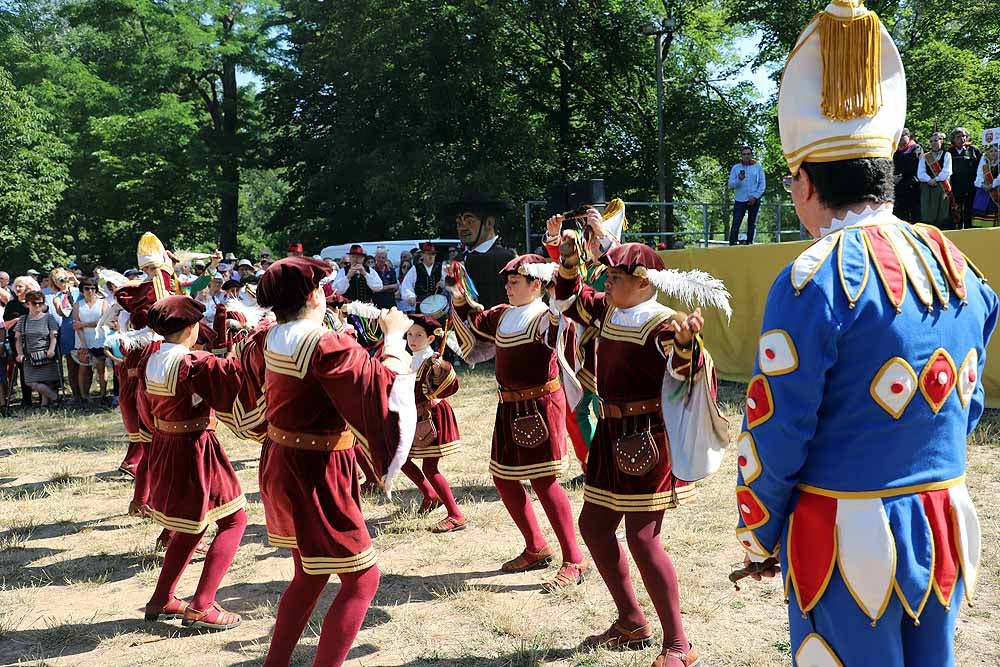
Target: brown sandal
213 618
618 638
174 608
529 560
689 659
450 525
570 574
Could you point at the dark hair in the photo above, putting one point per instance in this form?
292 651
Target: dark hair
745 147
88 282
34 295
848 182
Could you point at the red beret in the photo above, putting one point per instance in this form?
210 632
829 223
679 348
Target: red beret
294 247
427 246
136 300
173 313
287 283
356 250
630 256
427 323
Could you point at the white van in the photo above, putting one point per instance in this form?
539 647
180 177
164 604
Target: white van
395 248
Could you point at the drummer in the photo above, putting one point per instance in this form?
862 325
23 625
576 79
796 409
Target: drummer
424 278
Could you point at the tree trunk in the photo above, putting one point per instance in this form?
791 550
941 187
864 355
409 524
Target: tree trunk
229 188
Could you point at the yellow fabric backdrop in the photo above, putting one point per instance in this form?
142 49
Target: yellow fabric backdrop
748 272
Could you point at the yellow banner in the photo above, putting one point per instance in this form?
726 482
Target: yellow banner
748 272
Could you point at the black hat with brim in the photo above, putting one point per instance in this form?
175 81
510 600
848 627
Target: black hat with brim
473 201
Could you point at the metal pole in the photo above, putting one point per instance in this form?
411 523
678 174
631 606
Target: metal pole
527 227
661 167
704 216
777 223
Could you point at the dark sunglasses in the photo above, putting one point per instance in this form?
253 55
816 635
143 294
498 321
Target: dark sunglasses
88 287
36 303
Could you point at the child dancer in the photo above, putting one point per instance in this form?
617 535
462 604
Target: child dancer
629 474
529 439
437 433
191 481
324 395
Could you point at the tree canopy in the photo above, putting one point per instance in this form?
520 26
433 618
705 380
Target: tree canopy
240 124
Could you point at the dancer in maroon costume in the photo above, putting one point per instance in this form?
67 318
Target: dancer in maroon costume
190 480
436 381
639 341
526 337
327 401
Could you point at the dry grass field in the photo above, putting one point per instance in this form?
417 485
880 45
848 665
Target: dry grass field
75 571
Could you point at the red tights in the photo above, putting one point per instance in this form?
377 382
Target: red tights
217 561
343 619
554 501
642 531
432 484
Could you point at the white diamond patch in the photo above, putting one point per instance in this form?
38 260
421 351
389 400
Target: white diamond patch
776 353
749 462
894 386
968 376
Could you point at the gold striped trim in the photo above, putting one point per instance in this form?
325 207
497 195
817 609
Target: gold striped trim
160 288
140 436
531 334
181 525
587 379
169 385
433 392
637 335
883 493
545 469
241 419
296 364
436 451
581 311
327 565
639 502
282 542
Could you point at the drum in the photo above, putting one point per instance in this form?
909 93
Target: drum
436 306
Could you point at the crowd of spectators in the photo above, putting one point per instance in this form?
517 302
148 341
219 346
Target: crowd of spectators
951 186
55 325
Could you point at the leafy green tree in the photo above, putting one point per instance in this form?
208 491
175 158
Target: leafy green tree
34 176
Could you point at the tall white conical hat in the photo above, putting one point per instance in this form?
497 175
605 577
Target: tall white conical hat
843 91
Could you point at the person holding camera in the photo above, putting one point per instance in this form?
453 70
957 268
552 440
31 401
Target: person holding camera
746 178
357 282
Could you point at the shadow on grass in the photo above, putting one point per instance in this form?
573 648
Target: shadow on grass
303 655
78 638
47 488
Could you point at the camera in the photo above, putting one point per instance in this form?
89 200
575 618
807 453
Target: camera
571 200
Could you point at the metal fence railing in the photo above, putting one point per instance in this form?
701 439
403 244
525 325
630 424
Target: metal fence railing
695 223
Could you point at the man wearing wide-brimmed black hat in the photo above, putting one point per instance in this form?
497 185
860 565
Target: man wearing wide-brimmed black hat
475 215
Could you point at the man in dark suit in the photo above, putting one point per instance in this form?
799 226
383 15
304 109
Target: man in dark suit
475 215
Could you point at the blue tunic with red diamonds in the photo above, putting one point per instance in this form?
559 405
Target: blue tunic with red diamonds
852 453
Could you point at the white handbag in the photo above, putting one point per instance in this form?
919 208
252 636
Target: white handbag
697 432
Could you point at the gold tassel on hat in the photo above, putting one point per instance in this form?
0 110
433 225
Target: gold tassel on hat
851 51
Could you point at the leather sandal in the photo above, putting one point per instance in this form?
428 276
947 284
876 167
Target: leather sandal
163 540
529 560
128 470
450 524
570 574
213 618
619 638
174 608
429 505
689 659
201 549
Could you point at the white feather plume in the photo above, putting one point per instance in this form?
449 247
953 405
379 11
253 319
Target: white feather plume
694 288
364 310
132 340
253 314
545 272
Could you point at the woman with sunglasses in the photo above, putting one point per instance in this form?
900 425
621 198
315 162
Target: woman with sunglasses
64 295
87 312
37 333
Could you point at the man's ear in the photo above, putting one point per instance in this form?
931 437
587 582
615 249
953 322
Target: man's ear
490 222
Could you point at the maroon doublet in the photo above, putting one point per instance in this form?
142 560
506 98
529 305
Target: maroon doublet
433 393
324 392
191 481
525 359
632 357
